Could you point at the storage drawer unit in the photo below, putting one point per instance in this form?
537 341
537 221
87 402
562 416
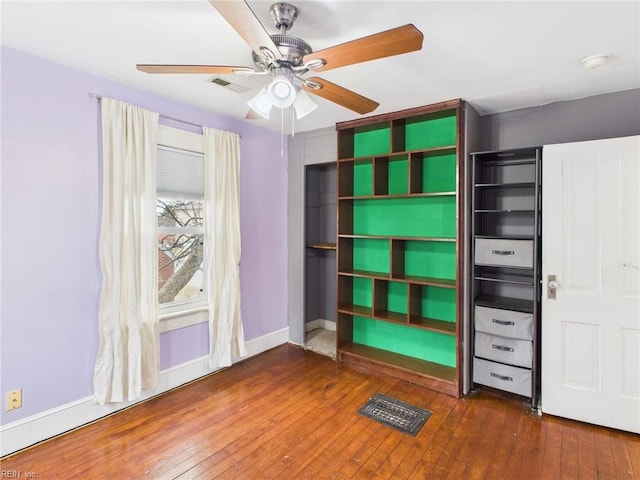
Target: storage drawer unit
504 377
506 323
506 253
502 349
505 270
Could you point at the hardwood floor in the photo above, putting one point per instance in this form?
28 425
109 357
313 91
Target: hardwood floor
291 414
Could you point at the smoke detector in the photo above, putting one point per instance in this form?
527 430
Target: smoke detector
594 61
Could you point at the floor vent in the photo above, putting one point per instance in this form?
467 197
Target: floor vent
395 414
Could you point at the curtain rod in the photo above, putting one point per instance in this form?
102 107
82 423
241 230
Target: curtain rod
166 117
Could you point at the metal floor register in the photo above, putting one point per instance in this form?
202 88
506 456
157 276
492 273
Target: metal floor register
395 414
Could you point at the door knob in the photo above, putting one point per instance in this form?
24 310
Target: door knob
552 284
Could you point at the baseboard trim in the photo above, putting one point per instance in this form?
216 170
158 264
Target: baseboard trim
320 323
28 431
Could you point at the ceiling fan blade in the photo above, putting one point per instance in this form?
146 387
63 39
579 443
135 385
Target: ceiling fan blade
208 69
398 40
240 16
341 96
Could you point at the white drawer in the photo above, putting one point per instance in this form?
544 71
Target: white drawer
504 377
505 323
504 253
503 349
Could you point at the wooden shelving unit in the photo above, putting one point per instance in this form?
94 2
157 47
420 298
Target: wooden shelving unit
400 242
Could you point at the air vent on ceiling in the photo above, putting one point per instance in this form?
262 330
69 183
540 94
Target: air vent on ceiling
234 87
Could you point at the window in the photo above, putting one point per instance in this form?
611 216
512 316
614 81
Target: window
180 222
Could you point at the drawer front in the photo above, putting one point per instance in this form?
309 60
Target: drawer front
505 323
504 377
507 253
503 349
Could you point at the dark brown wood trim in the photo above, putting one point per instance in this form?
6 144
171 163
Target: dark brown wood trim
410 112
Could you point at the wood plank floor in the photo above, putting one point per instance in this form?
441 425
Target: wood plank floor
291 414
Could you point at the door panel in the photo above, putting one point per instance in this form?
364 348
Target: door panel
582 216
591 243
581 364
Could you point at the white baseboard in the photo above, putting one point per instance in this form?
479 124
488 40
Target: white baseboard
320 323
36 428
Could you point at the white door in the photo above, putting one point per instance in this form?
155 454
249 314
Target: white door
591 243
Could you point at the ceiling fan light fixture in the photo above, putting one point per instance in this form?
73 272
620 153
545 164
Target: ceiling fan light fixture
261 103
303 105
281 92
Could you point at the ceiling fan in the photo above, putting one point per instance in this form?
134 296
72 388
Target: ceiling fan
287 58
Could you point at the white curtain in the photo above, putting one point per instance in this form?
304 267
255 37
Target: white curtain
222 228
128 359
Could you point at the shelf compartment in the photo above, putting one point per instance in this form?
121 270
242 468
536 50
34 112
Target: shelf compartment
355 294
504 303
364 255
506 199
432 302
428 374
390 300
434 171
406 340
424 261
364 141
503 170
429 130
404 217
391 175
503 282
355 178
516 276
448 328
505 224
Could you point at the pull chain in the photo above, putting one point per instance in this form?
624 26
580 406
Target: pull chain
293 119
282 133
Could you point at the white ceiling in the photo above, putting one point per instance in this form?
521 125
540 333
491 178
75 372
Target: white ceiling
499 56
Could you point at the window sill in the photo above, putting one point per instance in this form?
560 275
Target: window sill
185 318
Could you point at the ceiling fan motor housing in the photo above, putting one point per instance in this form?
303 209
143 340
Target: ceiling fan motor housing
292 49
283 14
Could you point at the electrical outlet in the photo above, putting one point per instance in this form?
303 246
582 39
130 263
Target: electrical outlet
14 399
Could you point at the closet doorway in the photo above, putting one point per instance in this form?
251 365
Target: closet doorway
320 258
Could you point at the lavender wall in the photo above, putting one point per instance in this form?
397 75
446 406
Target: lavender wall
49 225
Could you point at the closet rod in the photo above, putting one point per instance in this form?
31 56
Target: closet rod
166 117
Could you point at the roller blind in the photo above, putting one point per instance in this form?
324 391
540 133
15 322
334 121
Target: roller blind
179 173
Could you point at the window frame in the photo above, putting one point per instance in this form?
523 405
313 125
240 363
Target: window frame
183 314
